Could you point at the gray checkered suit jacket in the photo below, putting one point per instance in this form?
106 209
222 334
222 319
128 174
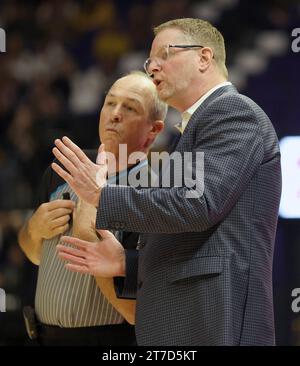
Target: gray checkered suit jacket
205 265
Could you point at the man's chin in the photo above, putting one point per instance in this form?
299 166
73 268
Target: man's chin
164 95
111 144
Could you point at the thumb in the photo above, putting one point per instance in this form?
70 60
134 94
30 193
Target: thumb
105 234
101 157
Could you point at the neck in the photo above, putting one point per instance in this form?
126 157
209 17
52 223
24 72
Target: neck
118 162
195 92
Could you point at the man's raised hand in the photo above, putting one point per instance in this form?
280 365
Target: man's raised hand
83 176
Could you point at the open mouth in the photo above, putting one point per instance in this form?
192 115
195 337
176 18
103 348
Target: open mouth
157 82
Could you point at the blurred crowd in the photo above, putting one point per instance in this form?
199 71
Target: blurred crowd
62 55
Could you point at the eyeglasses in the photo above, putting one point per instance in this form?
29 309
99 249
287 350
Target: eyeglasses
164 54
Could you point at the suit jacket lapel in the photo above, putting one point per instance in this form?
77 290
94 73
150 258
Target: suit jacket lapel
174 140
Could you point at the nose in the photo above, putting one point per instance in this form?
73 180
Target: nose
116 114
154 66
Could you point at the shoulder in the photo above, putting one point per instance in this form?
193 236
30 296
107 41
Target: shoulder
229 109
52 180
228 117
234 103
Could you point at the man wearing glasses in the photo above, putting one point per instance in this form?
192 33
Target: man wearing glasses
202 274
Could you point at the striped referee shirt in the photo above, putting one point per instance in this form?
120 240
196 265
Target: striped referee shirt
64 298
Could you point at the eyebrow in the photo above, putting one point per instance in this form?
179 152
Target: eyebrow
127 98
161 48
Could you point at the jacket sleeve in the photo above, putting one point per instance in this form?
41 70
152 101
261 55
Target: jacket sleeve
229 135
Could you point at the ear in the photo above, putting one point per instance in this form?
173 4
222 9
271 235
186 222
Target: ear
205 58
156 127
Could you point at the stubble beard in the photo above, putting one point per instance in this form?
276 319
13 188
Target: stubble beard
166 93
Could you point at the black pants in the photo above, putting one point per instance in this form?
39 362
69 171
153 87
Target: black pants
105 335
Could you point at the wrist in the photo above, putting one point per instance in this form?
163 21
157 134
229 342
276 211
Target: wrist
122 265
97 197
32 231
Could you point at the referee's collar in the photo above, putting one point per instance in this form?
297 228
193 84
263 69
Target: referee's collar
114 179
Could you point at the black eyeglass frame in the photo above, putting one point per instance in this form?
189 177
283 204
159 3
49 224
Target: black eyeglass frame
184 46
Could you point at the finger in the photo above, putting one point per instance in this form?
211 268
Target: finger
65 160
60 221
101 157
72 259
63 174
67 151
105 234
78 243
76 149
60 230
60 209
77 268
79 253
61 204
54 209
59 212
